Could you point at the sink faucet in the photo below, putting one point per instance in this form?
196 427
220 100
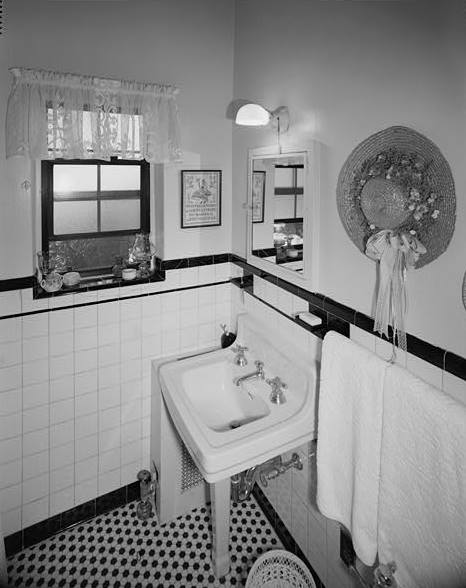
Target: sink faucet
258 374
277 396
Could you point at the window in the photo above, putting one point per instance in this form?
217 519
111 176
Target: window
289 193
92 209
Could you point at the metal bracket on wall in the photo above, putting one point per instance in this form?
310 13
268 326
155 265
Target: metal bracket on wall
369 577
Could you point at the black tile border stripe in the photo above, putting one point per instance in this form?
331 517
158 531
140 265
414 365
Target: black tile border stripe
281 530
455 364
16 283
94 302
329 322
79 514
162 266
333 314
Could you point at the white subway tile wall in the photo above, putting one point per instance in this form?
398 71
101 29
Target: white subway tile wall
417 366
75 384
293 496
75 394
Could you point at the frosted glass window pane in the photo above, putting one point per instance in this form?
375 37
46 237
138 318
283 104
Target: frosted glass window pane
120 177
284 206
74 178
75 217
299 206
283 177
118 215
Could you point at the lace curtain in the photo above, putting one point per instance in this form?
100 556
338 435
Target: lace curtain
71 116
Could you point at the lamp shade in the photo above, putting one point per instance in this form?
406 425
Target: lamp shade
252 115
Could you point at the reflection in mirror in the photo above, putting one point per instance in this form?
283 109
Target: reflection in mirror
277 186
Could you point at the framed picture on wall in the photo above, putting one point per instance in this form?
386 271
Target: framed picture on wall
258 196
201 198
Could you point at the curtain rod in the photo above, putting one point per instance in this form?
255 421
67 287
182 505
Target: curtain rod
44 76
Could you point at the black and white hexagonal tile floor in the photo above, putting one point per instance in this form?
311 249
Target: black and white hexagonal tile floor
119 550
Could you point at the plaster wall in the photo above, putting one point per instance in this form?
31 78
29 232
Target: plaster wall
172 42
347 70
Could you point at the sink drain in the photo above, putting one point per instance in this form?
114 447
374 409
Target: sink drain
235 424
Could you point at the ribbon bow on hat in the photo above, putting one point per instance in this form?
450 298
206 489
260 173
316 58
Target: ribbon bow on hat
396 253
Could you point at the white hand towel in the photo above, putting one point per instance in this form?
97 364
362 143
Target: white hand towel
348 440
422 501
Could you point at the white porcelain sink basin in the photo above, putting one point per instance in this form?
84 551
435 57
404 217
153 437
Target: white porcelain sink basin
217 401
229 428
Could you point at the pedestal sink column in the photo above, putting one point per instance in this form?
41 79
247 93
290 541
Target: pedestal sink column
220 504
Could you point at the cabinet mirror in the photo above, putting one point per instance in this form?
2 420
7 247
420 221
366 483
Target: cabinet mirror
283 209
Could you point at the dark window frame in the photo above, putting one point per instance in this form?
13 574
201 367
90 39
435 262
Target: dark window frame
47 199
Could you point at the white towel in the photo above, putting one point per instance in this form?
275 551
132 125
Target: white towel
349 436
422 501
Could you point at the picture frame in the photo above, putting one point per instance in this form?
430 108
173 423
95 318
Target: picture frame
201 198
258 196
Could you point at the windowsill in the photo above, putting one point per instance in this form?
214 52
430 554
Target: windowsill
97 283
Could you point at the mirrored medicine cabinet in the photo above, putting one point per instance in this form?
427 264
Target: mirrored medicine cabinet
283 213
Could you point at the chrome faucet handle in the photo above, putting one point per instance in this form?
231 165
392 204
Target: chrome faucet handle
277 383
239 348
260 369
240 358
277 395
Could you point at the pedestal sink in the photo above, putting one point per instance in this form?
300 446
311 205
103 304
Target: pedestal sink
229 428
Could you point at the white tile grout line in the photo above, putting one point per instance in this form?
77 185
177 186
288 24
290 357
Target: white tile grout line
22 429
98 394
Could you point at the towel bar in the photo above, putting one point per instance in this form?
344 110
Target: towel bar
369 577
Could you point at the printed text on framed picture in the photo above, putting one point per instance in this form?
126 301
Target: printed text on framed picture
201 198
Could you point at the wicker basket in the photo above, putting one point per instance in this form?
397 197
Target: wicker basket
279 569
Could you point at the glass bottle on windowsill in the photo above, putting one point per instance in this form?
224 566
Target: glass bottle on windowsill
119 266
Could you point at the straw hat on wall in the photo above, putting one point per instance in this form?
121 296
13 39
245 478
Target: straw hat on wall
397 179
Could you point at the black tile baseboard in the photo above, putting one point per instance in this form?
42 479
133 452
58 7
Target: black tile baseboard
45 529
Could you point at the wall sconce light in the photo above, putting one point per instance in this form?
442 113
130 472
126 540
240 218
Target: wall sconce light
255 115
